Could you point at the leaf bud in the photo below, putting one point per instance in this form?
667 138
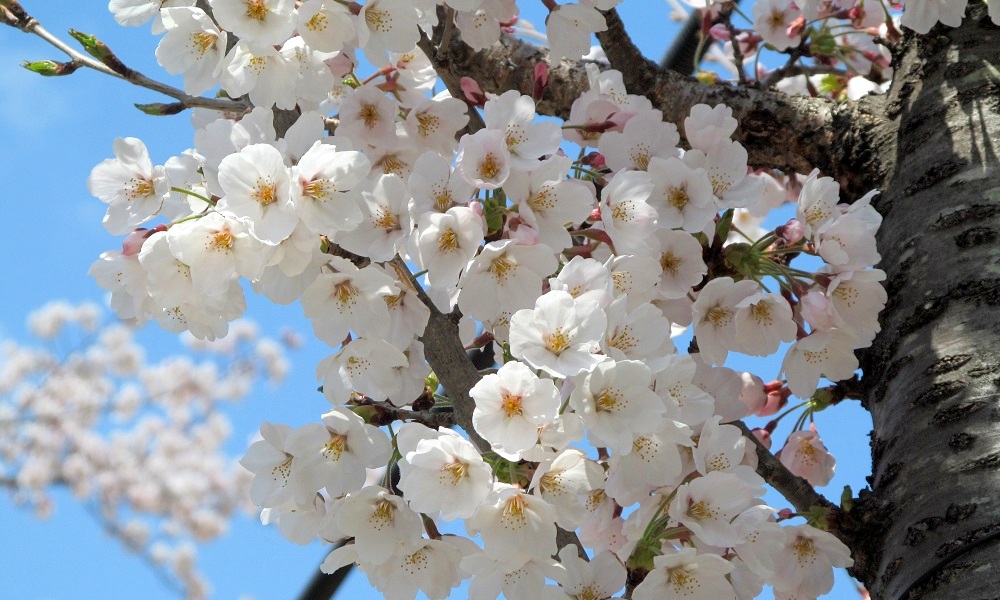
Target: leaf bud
50 68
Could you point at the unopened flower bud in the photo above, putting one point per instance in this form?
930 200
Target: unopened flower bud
595 160
476 206
777 398
133 242
764 436
817 310
791 232
540 80
719 32
796 27
473 92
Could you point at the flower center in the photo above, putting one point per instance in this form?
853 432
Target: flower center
318 22
761 313
139 188
385 219
318 189
682 581
511 405
345 294
718 316
265 192
335 447
490 167
702 510
557 341
202 41
257 64
448 242
427 124
283 470
513 515
805 551
669 263
453 473
678 198
391 165
383 515
501 267
378 20
256 9
610 400
369 114
222 241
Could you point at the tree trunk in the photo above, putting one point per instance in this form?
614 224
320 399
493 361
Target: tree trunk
930 527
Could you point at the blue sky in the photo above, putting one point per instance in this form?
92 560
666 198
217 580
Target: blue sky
53 132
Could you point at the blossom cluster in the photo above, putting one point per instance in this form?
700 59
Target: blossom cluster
578 272
140 442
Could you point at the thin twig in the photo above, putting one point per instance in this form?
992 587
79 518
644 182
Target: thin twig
29 24
727 20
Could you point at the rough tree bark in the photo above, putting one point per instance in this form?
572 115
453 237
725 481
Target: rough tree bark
933 374
929 526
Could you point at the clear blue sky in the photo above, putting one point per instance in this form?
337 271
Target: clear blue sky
53 132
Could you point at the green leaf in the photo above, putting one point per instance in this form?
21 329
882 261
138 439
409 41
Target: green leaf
725 224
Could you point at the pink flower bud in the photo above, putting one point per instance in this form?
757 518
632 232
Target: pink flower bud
719 32
540 79
133 242
619 119
796 27
856 15
476 206
777 398
786 513
791 232
595 215
752 393
764 436
595 160
817 310
508 26
473 92
525 235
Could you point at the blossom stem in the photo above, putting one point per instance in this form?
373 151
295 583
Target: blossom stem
192 194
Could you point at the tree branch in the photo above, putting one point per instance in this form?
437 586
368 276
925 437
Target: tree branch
18 18
790 133
446 355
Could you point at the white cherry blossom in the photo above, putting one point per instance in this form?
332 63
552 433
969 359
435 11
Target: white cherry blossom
194 46
261 22
130 185
442 472
256 185
617 404
511 404
559 335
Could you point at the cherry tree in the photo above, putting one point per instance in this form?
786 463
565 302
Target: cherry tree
139 442
423 231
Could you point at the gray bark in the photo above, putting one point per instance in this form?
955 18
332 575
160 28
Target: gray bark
932 375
